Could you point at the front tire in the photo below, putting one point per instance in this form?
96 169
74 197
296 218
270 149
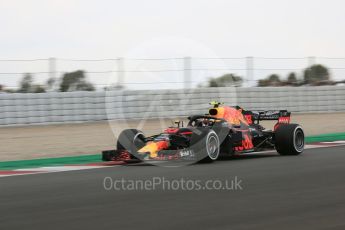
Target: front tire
131 140
205 145
289 139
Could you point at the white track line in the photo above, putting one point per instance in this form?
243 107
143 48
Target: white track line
53 169
60 168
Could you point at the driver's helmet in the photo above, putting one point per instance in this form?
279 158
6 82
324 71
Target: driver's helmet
207 122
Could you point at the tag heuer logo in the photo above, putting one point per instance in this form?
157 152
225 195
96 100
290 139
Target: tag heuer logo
185 153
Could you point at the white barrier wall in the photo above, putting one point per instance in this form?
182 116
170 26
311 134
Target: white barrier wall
45 108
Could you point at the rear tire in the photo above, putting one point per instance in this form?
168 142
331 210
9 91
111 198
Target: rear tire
289 139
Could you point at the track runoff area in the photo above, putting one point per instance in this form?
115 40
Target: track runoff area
88 162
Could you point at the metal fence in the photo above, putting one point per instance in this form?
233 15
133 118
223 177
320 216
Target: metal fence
47 108
163 73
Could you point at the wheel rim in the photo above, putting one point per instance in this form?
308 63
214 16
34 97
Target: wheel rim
299 140
138 140
212 147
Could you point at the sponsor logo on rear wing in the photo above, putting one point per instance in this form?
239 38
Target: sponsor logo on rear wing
272 115
282 116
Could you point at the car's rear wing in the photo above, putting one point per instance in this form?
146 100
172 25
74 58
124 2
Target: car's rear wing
282 116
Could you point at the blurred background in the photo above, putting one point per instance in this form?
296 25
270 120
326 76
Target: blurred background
69 67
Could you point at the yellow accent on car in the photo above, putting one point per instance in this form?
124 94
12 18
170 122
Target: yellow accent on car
150 147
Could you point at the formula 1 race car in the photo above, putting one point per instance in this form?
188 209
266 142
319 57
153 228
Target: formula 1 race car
225 130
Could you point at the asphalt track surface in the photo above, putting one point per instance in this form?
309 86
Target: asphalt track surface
292 192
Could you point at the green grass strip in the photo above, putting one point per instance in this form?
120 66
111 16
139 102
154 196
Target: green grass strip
326 137
85 159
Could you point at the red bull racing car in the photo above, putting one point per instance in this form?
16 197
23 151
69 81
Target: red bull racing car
224 130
